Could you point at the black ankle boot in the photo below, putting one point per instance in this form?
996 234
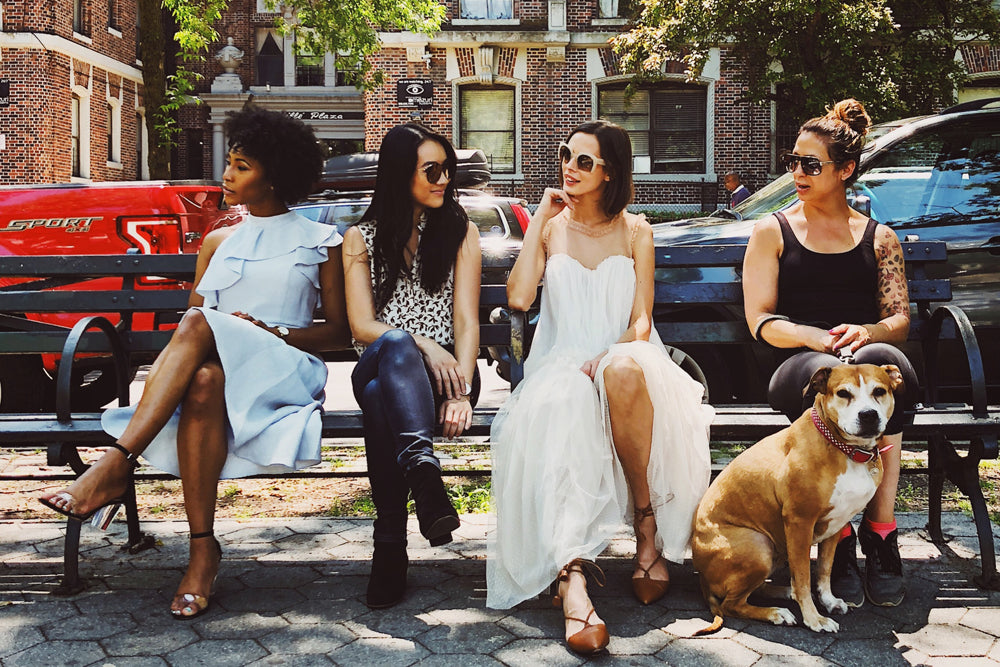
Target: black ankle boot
435 513
387 581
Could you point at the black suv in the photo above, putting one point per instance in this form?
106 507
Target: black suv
936 178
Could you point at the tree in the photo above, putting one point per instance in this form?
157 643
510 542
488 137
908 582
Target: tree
807 54
347 27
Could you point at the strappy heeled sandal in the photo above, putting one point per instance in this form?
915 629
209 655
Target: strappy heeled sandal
594 636
100 517
195 604
646 589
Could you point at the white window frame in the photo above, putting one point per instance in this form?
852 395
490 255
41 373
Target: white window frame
643 176
83 126
457 85
115 120
461 20
142 138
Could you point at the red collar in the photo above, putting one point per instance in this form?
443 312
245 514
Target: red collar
854 453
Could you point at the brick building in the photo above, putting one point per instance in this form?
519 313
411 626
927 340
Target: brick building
509 76
71 105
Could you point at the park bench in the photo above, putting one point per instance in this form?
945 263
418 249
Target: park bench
683 296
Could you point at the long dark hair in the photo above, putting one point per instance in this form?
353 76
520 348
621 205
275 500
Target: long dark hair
392 211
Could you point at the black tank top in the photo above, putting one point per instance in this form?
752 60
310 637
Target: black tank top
827 289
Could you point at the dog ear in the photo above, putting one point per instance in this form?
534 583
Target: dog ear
895 377
818 381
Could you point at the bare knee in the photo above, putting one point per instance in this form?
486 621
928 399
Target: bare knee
624 380
192 327
205 392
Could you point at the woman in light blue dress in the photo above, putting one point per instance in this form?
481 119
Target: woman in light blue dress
238 390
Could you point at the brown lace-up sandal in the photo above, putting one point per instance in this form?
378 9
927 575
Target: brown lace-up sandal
594 637
646 589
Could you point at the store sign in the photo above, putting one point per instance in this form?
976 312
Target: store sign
415 93
4 93
327 115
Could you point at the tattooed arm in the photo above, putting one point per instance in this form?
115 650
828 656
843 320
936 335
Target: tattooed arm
893 299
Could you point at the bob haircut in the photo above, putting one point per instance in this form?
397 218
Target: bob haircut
286 148
392 208
616 151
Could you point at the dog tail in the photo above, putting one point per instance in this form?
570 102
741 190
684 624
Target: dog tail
715 626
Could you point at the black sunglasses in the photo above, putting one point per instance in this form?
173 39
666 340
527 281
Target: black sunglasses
584 161
433 170
811 166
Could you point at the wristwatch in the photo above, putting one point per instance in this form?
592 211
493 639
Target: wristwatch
468 391
282 332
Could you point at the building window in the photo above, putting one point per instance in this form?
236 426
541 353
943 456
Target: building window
487 121
114 132
79 135
308 66
487 9
140 131
666 124
113 14
270 63
79 17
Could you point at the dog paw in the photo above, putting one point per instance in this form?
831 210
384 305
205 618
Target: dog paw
833 604
822 624
782 616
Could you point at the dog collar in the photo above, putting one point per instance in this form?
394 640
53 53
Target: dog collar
854 453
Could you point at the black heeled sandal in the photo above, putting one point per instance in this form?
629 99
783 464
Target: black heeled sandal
195 601
100 517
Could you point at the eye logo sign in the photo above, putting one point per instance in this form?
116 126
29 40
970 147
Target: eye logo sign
415 93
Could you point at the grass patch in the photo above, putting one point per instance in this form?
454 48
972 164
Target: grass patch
472 497
360 506
908 497
231 492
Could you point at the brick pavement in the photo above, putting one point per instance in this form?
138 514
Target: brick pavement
291 592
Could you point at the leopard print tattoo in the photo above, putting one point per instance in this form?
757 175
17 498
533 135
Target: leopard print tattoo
893 296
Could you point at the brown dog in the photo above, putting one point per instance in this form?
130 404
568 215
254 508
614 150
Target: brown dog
793 489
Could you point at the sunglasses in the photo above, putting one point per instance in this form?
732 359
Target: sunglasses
811 166
584 161
433 170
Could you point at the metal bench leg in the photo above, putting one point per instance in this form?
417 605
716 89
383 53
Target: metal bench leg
963 471
71 583
935 484
137 540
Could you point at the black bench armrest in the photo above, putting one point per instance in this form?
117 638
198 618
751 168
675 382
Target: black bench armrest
118 352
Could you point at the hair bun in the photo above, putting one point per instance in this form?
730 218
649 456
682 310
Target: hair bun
853 113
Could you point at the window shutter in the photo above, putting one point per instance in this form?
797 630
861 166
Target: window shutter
632 115
679 131
486 117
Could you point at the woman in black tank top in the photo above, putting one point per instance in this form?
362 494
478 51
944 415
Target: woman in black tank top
827 285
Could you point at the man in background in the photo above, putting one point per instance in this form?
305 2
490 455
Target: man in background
737 191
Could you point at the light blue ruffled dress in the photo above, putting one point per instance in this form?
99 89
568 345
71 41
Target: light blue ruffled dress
269 268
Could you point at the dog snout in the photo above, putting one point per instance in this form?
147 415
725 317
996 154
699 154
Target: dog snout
870 422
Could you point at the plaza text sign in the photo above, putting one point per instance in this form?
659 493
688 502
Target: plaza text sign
327 115
4 93
415 93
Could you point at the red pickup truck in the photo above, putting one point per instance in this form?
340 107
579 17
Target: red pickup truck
154 217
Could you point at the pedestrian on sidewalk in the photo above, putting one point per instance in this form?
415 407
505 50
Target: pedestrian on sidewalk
737 191
412 269
239 388
603 416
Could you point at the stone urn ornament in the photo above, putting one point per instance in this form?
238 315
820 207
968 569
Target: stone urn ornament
229 57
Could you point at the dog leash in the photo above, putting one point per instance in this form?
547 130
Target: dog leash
854 453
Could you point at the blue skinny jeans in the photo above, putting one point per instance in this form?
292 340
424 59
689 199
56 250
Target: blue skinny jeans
399 403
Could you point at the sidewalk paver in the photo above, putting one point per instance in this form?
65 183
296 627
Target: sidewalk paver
291 592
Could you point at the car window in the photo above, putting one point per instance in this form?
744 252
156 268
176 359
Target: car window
946 175
314 213
775 196
489 220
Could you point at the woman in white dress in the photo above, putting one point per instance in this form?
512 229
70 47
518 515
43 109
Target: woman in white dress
237 391
604 423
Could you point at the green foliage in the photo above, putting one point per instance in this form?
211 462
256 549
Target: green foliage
807 54
350 29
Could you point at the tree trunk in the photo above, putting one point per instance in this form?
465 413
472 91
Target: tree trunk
152 49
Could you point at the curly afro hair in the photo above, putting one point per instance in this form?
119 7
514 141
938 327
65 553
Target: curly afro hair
286 148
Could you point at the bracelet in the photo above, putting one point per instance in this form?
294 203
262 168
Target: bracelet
760 325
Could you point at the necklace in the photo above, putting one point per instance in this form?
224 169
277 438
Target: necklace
594 231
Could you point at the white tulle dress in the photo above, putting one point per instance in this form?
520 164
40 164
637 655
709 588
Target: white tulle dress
269 268
559 491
